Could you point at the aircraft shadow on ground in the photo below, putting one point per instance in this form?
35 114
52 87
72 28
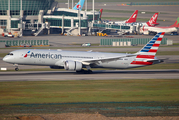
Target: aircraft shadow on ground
94 72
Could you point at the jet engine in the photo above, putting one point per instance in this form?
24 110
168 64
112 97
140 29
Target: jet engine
72 65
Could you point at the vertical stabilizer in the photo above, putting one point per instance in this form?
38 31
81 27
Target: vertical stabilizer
101 11
146 55
153 20
79 5
152 46
133 17
176 24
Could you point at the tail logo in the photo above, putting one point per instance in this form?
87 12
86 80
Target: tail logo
78 7
153 19
134 16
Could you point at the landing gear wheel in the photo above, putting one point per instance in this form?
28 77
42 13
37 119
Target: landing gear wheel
16 69
82 71
89 71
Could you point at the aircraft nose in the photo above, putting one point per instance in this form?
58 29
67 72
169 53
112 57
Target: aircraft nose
7 59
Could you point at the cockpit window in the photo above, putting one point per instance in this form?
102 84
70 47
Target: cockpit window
10 54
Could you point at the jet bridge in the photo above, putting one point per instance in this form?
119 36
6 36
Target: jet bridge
36 28
120 28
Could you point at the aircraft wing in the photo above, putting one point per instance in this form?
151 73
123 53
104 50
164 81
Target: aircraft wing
108 59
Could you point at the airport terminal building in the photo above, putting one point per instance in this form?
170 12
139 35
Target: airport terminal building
27 16
14 12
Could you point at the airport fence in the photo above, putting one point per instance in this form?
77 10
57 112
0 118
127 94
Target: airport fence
13 43
132 41
154 3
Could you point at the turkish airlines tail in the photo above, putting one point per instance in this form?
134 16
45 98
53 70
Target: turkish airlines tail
133 17
176 24
153 20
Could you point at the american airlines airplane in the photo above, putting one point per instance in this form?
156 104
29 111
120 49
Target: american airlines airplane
77 60
156 29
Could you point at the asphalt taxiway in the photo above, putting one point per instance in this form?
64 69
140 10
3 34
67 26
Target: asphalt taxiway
96 75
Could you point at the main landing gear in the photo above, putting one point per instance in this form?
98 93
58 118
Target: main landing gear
88 71
82 71
16 67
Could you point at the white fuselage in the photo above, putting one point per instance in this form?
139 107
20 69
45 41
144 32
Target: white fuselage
57 58
158 29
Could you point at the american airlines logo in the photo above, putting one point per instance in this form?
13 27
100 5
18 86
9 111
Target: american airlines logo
26 54
49 55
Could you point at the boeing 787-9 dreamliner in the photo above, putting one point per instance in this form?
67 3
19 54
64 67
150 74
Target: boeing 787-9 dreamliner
77 60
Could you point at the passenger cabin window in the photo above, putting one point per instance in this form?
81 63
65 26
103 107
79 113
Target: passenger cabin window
10 54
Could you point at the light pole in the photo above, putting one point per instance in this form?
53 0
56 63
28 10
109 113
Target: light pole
93 11
9 28
72 4
86 5
79 25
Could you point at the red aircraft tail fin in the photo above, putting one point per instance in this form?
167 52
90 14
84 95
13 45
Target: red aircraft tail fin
153 20
101 11
176 24
133 17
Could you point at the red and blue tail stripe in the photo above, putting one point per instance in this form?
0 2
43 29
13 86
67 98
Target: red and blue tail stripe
153 44
148 51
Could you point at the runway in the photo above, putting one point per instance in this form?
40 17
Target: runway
96 75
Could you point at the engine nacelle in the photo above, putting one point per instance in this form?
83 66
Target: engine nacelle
72 65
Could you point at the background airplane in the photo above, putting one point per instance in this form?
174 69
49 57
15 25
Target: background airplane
156 29
79 5
130 20
101 11
151 22
77 60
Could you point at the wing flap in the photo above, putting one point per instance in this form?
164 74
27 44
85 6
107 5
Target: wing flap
108 59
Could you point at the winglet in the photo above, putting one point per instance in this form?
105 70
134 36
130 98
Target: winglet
133 17
153 20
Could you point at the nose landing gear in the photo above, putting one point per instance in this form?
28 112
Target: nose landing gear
16 67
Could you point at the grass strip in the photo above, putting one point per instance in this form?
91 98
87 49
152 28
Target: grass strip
88 91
